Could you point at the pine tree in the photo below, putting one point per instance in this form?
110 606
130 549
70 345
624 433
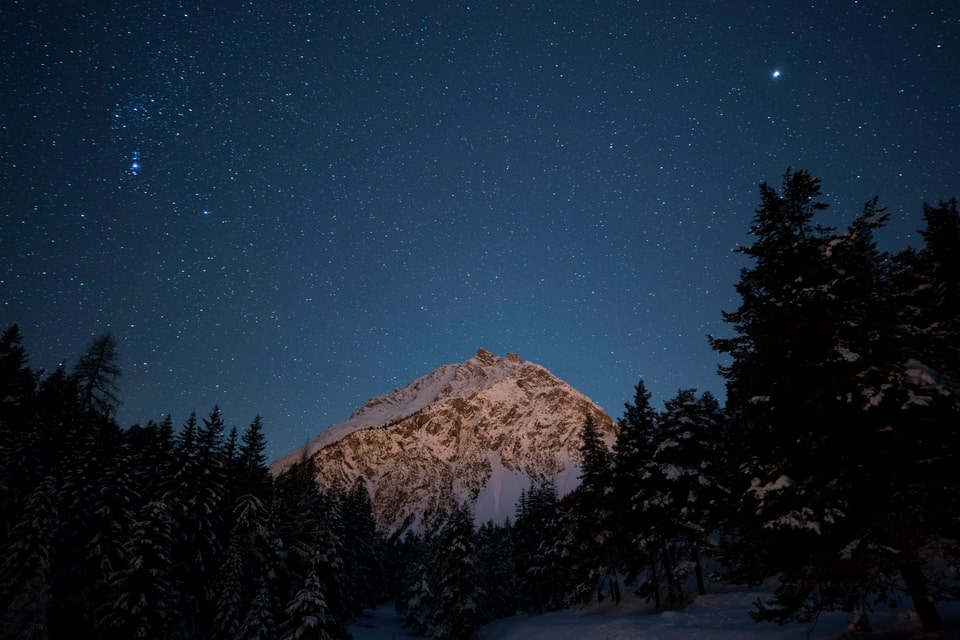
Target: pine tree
21 457
939 269
416 603
590 516
98 499
538 538
252 552
497 569
18 384
636 437
309 522
459 594
254 476
681 496
97 372
595 465
361 551
308 616
25 566
194 489
143 596
259 623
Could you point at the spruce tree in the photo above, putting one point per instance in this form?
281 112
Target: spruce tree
498 574
259 623
361 550
589 511
309 525
681 495
632 450
26 562
459 594
142 594
308 617
194 490
22 459
254 476
538 540
416 577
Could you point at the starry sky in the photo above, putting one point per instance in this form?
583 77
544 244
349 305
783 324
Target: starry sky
289 207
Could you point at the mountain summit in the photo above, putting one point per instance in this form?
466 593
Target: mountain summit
477 432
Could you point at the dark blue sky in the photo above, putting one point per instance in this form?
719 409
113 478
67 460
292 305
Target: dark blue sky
286 208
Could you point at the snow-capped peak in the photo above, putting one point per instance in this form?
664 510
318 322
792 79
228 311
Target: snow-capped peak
461 433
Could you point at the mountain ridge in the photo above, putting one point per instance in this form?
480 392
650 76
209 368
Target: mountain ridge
476 432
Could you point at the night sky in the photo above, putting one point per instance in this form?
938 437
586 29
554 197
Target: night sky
287 208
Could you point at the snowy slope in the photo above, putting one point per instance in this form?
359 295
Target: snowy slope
716 616
377 412
475 432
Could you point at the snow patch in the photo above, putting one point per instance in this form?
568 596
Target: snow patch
760 492
498 499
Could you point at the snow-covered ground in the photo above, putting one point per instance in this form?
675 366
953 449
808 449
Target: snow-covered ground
716 616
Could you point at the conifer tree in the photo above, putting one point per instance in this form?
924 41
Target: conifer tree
250 558
459 594
498 574
632 450
538 535
589 511
361 551
21 456
142 594
414 580
98 499
26 562
17 381
254 476
309 522
194 491
308 616
259 623
97 373
681 496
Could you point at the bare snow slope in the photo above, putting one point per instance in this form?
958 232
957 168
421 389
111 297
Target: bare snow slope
475 432
722 615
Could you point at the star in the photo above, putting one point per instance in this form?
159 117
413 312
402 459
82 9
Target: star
135 163
775 74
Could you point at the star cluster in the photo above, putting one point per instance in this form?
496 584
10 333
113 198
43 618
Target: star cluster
288 208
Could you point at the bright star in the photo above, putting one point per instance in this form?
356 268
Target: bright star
135 163
776 73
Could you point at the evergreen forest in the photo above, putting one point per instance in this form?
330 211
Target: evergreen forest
828 469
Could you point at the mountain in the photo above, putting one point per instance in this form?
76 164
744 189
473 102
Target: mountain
477 432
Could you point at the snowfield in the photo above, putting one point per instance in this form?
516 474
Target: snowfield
716 616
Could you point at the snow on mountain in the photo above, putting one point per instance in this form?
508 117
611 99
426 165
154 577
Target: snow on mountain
477 432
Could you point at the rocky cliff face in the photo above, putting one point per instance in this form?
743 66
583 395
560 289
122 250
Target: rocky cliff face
474 432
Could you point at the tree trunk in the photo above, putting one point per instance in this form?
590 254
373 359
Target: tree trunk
698 568
917 587
654 581
615 589
668 571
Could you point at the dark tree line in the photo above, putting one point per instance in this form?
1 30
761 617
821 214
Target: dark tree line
152 532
